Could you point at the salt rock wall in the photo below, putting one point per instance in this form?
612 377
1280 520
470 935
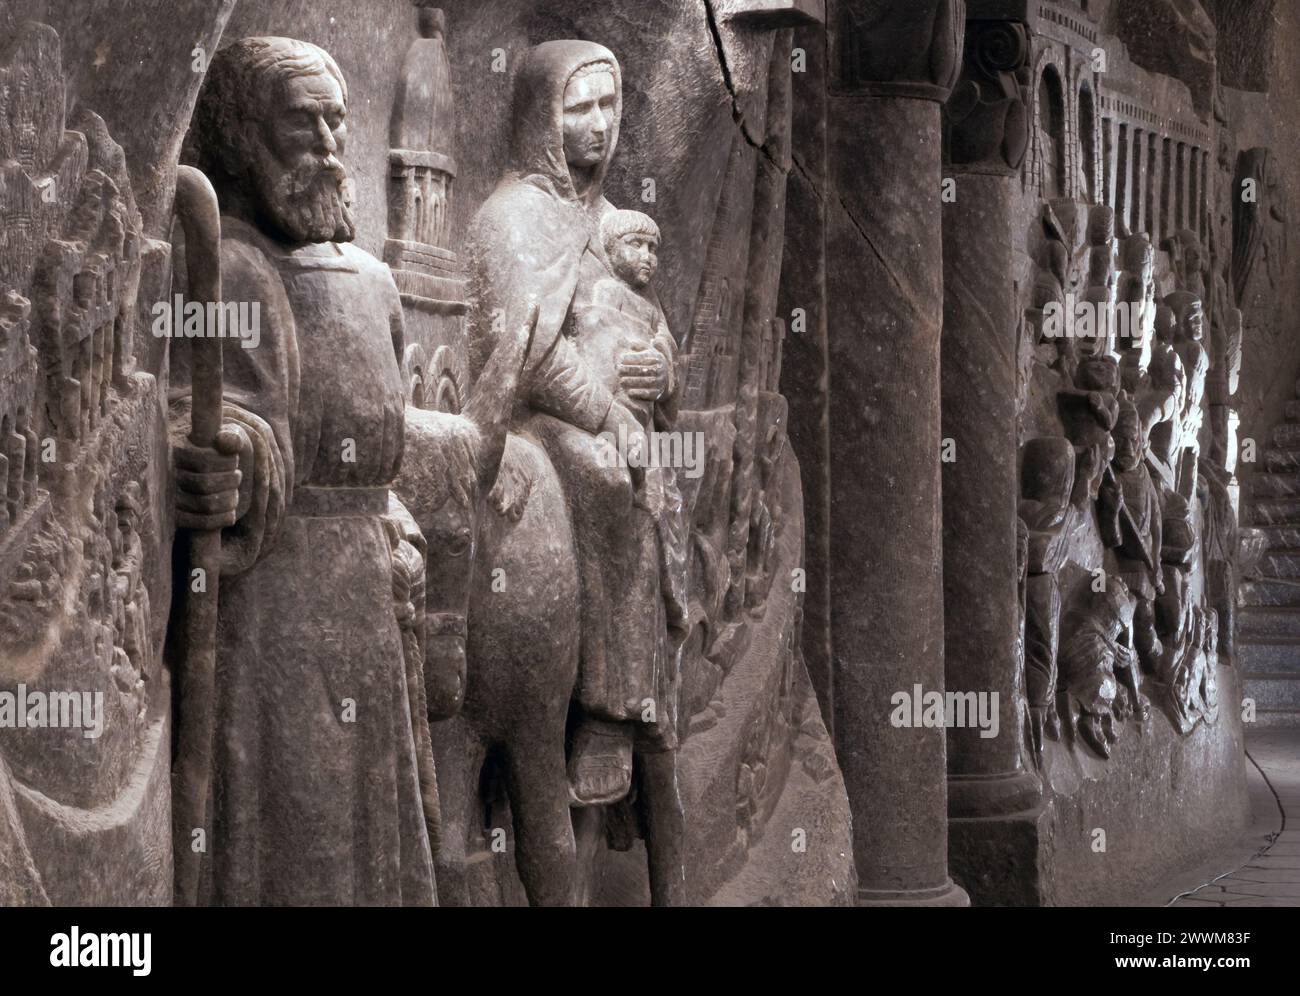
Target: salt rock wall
86 531
1122 485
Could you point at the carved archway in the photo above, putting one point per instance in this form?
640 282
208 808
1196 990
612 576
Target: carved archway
1051 126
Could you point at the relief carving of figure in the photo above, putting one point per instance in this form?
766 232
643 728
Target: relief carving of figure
1195 359
1128 513
1098 668
1047 477
1259 233
589 540
1160 395
1137 291
316 781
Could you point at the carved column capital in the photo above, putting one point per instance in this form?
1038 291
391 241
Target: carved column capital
904 48
986 124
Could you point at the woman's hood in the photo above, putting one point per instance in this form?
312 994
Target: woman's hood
537 139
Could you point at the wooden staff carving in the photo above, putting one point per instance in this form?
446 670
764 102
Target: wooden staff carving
200 217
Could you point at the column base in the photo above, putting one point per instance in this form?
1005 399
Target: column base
1002 860
973 796
949 894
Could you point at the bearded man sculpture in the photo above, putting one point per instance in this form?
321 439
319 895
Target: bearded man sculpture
318 754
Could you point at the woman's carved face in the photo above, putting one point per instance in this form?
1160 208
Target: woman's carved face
588 118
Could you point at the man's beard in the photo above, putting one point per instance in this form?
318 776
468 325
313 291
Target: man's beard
307 202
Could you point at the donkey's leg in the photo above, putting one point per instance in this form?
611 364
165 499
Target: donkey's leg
660 803
545 852
458 753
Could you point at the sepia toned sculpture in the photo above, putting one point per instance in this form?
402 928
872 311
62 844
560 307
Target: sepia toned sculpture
315 723
1047 477
518 453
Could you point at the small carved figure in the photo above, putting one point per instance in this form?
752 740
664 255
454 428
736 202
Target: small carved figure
1195 359
1160 396
1137 293
1047 476
1098 669
1102 281
1089 408
622 317
1128 513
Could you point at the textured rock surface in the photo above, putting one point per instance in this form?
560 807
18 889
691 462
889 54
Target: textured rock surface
938 599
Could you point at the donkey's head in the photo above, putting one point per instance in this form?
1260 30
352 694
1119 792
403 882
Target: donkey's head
449 464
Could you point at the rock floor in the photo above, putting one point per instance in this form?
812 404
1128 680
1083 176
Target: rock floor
1271 875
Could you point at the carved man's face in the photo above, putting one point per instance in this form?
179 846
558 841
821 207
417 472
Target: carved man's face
300 180
1128 443
1166 323
588 119
635 258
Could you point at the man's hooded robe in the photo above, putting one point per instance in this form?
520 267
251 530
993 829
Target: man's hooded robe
535 242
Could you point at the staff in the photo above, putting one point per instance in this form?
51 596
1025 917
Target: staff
196 206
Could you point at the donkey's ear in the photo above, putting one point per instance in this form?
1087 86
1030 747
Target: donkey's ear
493 399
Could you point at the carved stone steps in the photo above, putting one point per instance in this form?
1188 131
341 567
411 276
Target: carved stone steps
1276 512
1271 678
1270 592
1284 718
1282 537
1267 622
1274 693
1272 485
1282 461
1268 657
1286 435
1281 563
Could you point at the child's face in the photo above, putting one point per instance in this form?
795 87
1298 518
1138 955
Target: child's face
636 258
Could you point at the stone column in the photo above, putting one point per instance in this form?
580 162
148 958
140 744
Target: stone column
1157 191
1124 173
1168 223
993 802
1110 145
892 63
1181 190
1203 209
1141 188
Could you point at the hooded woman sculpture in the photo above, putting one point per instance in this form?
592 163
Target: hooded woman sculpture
535 243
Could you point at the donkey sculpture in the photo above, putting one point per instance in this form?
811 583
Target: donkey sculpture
501 591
